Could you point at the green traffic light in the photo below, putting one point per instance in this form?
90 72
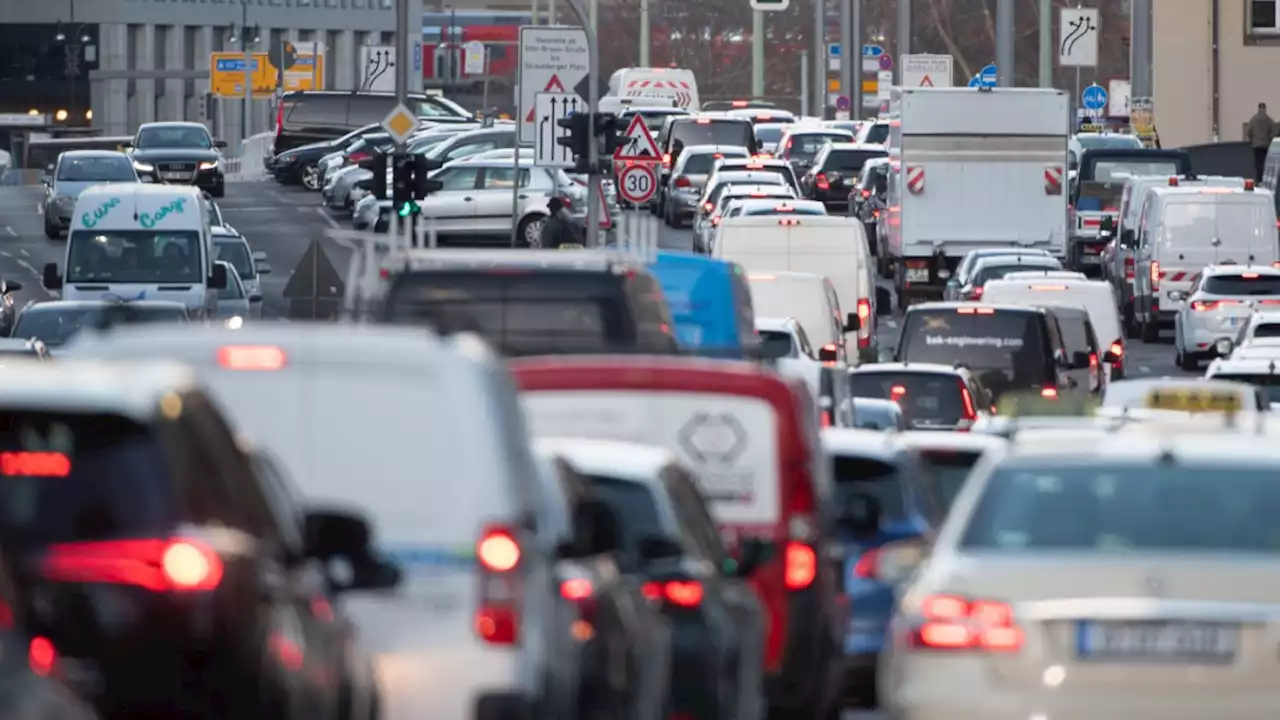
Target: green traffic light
408 209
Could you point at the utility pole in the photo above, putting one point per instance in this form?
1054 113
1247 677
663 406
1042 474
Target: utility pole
821 59
645 29
246 118
404 52
851 58
1140 48
1005 75
757 54
595 186
1046 43
904 33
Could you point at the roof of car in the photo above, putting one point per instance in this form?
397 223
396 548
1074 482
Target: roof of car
94 154
629 461
933 440
1019 259
864 147
860 442
730 163
960 305
134 389
736 150
776 324
1170 442
818 130
80 305
1233 269
910 367
173 123
1252 366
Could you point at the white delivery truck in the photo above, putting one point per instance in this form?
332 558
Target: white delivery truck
651 86
140 242
972 168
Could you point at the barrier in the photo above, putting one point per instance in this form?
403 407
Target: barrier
249 165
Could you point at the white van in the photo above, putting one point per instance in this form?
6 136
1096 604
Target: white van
655 86
808 298
1097 297
1184 229
832 246
140 242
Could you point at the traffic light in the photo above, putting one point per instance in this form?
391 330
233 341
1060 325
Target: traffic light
579 138
423 185
378 166
402 177
612 130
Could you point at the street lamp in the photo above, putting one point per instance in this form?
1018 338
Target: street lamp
72 44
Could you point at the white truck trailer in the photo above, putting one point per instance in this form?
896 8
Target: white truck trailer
972 168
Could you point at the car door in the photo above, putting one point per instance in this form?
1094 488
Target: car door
454 207
493 199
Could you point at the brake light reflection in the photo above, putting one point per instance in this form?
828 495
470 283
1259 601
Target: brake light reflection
35 464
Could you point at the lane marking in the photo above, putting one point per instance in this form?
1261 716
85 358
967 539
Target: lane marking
332 223
6 254
1144 369
23 252
11 231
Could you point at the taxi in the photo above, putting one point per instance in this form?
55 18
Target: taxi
1152 397
1258 372
1112 583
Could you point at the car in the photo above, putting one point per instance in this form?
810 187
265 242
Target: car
32 348
683 132
932 396
877 414
249 265
681 196
768 135
55 322
74 171
710 302
180 153
1152 396
1093 548
708 219
673 547
802 143
874 133
835 170
1219 303
755 164
812 302
995 267
233 300
785 346
179 584
866 202
784 207
310 116
1079 335
301 163
8 313
337 195
1260 372
971 258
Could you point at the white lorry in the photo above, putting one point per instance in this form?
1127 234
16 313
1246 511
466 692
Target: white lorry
971 168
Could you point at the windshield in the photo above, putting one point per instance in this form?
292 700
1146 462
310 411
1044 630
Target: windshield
926 399
1121 169
236 254
988 271
173 136
770 134
714 132
100 169
1006 349
42 154
859 475
635 508
1267 330
1268 383
945 472
805 147
135 256
775 345
877 134
55 325
789 210
849 162
1123 507
234 289
1242 284
701 163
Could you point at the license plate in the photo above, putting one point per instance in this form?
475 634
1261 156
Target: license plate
175 175
1157 641
917 274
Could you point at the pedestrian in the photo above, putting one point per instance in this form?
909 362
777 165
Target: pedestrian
1259 132
558 229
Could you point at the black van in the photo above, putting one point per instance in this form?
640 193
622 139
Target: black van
308 116
536 302
682 132
1007 347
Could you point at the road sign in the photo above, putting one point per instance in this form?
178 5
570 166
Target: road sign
548 108
926 71
975 81
872 51
639 143
1118 94
377 68
886 62
307 70
770 5
833 50
473 58
988 76
1094 99
637 184
315 289
843 102
417 56
1078 37
226 75
400 124
552 59
884 83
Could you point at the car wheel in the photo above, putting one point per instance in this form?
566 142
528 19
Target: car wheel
50 231
530 231
311 177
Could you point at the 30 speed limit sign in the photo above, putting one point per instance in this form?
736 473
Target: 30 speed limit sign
637 184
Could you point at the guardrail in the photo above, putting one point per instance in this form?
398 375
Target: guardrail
249 165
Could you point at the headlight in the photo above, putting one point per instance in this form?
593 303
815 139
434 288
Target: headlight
143 167
235 323
211 165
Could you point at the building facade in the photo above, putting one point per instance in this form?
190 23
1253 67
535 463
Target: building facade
1213 61
104 61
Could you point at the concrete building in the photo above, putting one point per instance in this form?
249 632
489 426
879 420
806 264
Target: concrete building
1202 94
118 37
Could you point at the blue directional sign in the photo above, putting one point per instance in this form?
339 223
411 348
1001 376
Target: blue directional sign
1094 98
975 81
987 76
871 51
833 50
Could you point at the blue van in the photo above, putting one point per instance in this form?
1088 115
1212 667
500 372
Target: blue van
710 302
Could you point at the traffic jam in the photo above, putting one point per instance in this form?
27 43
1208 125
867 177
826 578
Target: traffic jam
789 469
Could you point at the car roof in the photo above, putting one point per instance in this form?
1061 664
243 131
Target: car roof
859 442
910 367
743 160
777 324
133 389
1041 260
1251 366
59 305
737 150
633 462
933 440
741 189
865 147
1233 269
94 154
958 305
173 123
817 130
1170 442
797 203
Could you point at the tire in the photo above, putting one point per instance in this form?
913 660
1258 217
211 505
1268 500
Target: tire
310 177
50 231
1185 361
529 234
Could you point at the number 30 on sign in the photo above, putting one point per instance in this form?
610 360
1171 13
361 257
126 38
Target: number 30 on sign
637 184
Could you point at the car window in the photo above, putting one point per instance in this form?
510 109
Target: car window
691 511
881 478
877 134
282 500
700 164
102 169
713 132
469 149
1005 349
237 255
944 472
806 146
234 289
925 398
173 136
1242 284
504 178
636 509
366 109
805 347
458 179
849 162
776 344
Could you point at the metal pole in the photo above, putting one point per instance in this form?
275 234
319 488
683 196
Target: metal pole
593 17
855 61
1005 75
533 12
404 52
515 201
1075 99
594 187
821 61
850 83
645 29
315 63
1046 43
484 102
757 54
551 12
1140 48
804 82
904 30
246 118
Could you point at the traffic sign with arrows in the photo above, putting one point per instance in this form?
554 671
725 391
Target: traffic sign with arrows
548 109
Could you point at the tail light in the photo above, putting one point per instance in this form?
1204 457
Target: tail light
666 160
41 656
950 622
866 567
675 593
1248 184
864 319
970 412
683 182
890 563
821 182
715 221
356 157
866 193
174 565
801 565
1128 268
1050 393
707 207
825 418
974 294
279 119
1093 361
497 619
1205 305
1155 274
1117 349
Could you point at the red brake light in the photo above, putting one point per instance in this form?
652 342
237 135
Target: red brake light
1248 184
498 551
251 357
41 656
715 221
950 622
976 293
1173 182
497 618
707 207
1117 349
1128 268
576 589
897 391
1093 361
866 193
279 118
1155 273
976 311
970 413
356 157
739 103
801 566
179 565
35 464
759 195
1249 276
1203 305
675 593
1050 393
683 182
821 182
703 121
666 160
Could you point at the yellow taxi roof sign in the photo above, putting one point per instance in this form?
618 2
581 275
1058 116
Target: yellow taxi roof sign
1031 404
1194 400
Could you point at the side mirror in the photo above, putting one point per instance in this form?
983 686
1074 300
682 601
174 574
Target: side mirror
1080 360
860 515
852 323
342 540
126 145
1126 239
754 553
218 278
1224 347
220 144
11 286
52 279
657 547
884 301
1110 357
259 255
1177 295
828 353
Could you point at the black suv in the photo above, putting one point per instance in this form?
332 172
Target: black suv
165 575
309 116
181 153
682 132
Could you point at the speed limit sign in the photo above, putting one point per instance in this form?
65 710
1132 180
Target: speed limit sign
637 184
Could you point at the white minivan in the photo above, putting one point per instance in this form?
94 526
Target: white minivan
831 246
140 242
1097 297
811 300
1184 229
